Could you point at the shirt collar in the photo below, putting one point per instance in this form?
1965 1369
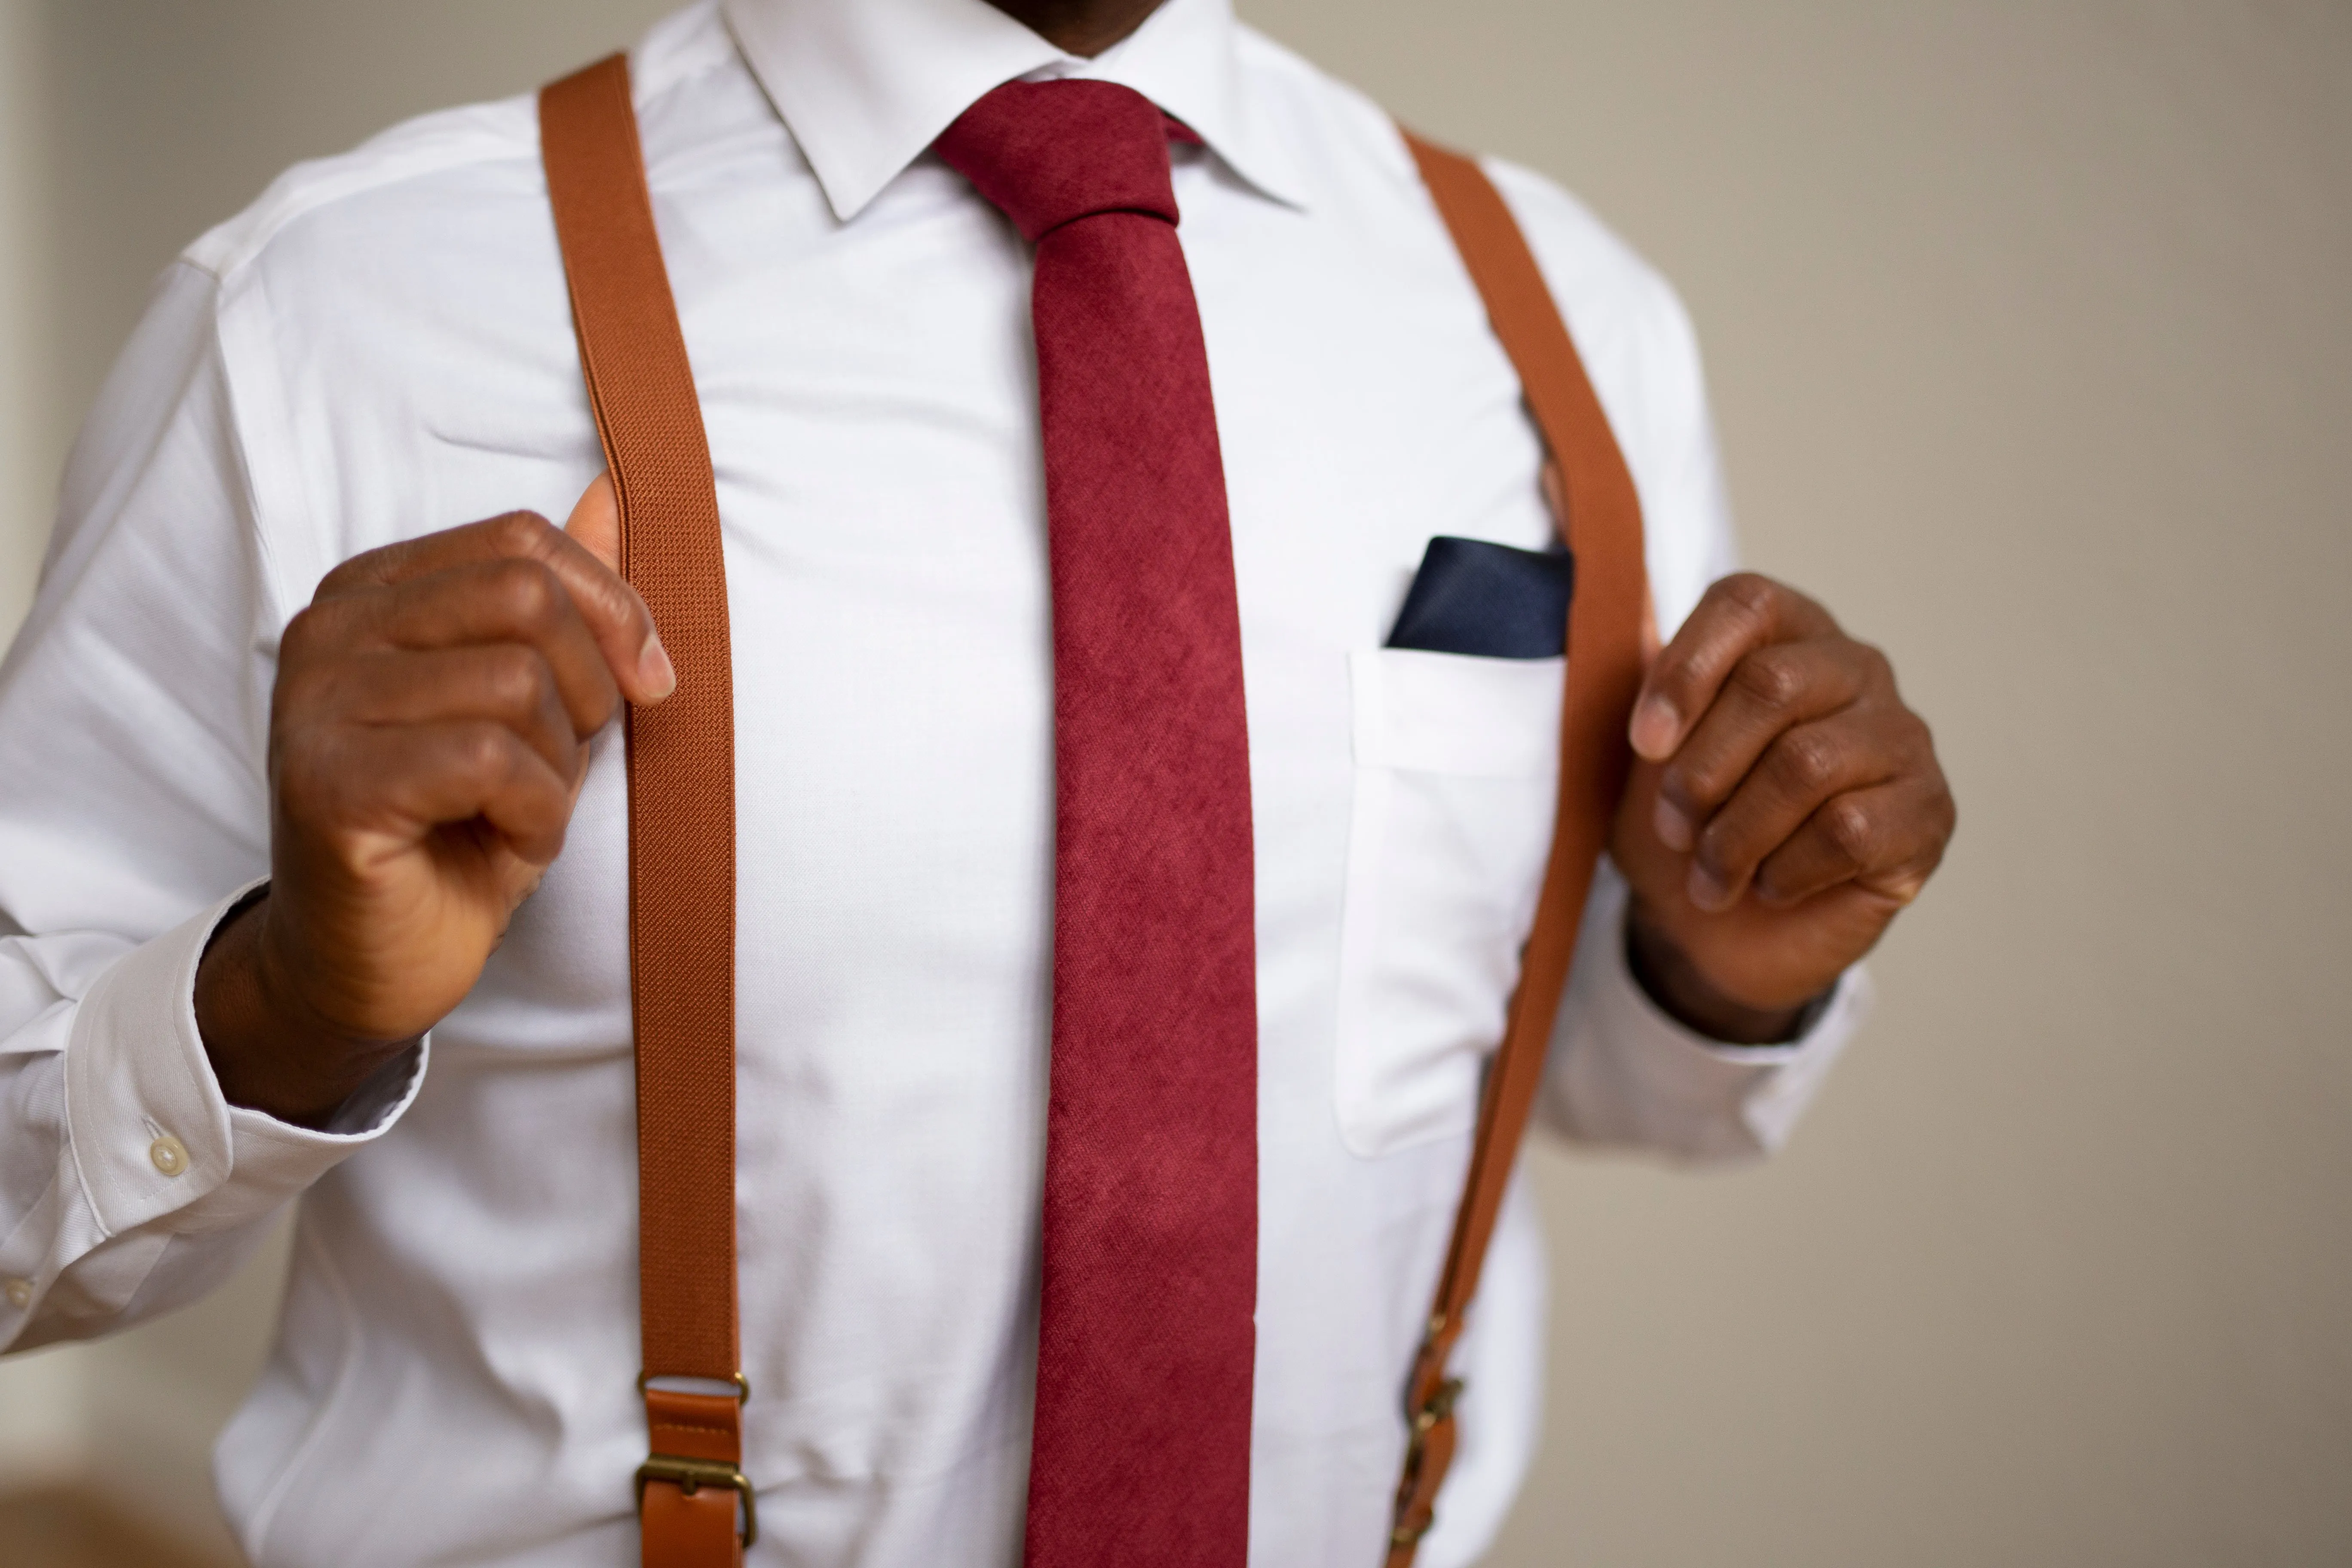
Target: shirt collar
866 86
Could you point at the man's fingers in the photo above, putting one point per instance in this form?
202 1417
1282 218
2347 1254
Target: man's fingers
513 535
506 683
393 786
1769 691
1886 841
614 614
1739 613
477 604
1799 771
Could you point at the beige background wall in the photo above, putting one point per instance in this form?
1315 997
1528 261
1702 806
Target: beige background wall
2030 330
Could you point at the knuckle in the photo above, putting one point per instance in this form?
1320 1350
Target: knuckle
1850 828
1773 679
519 682
301 634
1685 783
1700 783
518 533
1902 737
340 579
1807 759
314 689
308 637
361 572
1673 676
526 591
484 752
1749 593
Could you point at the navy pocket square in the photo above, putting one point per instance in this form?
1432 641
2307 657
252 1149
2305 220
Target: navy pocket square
1474 597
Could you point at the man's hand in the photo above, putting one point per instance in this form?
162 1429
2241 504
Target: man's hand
1784 806
428 736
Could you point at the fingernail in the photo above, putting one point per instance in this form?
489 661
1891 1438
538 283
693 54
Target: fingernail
1655 723
655 669
1674 827
1706 889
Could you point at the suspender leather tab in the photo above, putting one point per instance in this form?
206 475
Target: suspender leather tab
681 817
698 1444
1602 525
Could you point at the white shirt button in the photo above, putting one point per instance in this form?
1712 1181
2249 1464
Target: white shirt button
169 1155
20 1293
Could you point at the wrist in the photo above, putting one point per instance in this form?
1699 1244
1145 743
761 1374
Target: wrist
1677 986
270 1050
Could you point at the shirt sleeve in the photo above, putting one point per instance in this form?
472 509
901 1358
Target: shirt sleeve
133 729
1623 1072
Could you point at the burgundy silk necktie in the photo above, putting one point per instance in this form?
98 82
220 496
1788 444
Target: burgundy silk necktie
1146 1335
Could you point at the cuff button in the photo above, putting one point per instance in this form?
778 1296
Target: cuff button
169 1154
20 1293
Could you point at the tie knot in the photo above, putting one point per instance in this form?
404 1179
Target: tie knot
1047 153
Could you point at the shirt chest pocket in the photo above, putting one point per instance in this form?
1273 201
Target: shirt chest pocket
1456 769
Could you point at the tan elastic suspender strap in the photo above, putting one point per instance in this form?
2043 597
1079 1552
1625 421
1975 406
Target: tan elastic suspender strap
681 819
1603 526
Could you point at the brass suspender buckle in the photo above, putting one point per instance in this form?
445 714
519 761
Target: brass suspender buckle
1408 1530
1440 1406
690 1476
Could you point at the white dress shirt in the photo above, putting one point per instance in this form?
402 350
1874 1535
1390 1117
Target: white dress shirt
380 347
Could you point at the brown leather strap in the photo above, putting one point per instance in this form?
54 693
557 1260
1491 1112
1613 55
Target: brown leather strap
1603 526
681 813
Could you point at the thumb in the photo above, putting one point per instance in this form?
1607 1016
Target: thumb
595 526
595 521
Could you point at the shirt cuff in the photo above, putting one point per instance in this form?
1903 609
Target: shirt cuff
151 1131
1626 1073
